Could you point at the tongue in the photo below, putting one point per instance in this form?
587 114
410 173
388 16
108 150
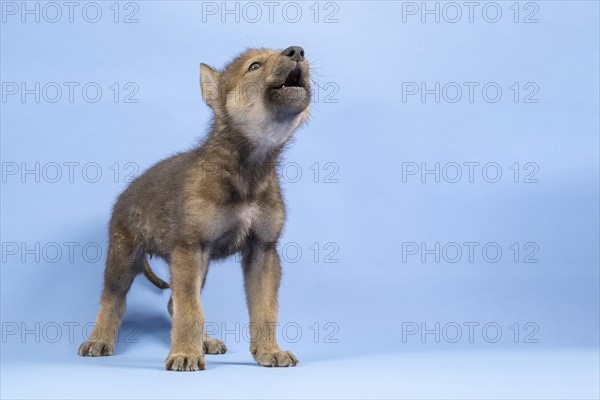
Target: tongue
293 78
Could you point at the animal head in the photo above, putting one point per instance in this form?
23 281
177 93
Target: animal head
262 93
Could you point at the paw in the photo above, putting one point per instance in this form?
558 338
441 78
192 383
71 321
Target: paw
95 349
183 362
213 346
277 358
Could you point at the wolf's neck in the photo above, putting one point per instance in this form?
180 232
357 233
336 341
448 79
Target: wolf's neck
252 161
256 144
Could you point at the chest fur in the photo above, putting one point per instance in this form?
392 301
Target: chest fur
238 222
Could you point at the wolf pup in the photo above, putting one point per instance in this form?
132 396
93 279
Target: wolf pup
216 200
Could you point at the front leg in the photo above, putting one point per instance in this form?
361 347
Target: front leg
262 275
188 269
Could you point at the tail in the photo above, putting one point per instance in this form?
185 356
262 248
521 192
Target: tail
156 281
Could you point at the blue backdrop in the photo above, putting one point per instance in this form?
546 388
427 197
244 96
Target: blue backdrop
443 230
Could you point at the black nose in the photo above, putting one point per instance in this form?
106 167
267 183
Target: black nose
296 53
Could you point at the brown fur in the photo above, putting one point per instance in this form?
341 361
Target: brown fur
218 199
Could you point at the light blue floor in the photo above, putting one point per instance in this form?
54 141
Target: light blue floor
138 373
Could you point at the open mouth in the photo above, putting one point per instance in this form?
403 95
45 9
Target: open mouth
294 79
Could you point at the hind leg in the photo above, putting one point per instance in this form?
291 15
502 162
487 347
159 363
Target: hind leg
213 346
209 343
121 268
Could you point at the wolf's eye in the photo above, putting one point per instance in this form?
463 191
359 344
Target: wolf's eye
254 66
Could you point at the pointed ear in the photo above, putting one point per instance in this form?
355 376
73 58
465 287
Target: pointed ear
209 82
